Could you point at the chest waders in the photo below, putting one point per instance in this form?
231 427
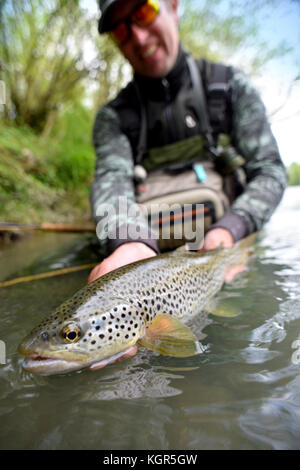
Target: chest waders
199 173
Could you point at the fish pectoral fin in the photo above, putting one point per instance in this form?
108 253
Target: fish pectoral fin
169 336
223 308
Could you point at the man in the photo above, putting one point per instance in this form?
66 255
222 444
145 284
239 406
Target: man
147 36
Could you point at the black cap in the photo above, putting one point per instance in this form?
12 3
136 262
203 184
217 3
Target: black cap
105 5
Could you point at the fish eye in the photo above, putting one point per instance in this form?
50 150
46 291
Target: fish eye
71 333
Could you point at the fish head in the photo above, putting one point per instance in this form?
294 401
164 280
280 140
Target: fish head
76 336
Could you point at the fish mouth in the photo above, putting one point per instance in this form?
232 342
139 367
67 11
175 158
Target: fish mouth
49 365
45 365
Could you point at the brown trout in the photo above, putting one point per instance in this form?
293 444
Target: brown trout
145 303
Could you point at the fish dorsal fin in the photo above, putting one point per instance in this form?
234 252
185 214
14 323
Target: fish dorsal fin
169 336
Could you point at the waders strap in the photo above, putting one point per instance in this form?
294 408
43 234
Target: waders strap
201 104
142 143
218 99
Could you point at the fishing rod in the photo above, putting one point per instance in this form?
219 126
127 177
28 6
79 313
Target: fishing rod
55 272
47 227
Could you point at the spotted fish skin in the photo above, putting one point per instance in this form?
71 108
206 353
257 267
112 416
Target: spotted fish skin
111 314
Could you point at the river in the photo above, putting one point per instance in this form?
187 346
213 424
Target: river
241 393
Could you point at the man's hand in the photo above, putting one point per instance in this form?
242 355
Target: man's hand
216 238
124 254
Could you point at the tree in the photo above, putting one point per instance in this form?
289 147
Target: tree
42 57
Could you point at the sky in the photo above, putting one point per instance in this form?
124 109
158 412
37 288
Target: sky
276 24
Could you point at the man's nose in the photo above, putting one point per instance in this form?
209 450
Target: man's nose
139 34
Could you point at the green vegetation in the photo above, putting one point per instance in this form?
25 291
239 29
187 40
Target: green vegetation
47 178
294 174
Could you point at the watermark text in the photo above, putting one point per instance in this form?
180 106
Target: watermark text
2 352
296 354
165 222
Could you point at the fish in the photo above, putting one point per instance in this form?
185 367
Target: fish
146 303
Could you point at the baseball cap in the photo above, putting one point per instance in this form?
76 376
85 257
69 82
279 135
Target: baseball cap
105 5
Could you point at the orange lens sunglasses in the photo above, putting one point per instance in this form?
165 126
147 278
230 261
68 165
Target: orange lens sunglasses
143 16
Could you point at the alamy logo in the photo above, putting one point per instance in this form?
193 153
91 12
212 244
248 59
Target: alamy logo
165 221
2 352
2 92
296 354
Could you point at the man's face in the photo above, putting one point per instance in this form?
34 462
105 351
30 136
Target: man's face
152 51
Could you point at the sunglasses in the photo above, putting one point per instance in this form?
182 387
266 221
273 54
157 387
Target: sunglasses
142 16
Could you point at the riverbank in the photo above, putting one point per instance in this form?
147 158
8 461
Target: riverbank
47 178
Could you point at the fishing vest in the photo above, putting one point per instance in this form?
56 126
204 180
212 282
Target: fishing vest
200 166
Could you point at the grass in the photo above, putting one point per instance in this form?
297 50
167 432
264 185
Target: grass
294 174
47 179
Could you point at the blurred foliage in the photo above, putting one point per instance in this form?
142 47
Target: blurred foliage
47 178
219 31
294 174
42 57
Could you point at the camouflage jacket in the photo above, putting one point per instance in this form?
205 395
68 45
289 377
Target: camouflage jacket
115 136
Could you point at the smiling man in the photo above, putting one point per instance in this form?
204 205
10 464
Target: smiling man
173 112
151 49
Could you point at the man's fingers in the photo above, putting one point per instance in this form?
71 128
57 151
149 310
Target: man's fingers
232 272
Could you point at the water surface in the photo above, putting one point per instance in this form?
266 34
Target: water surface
241 393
